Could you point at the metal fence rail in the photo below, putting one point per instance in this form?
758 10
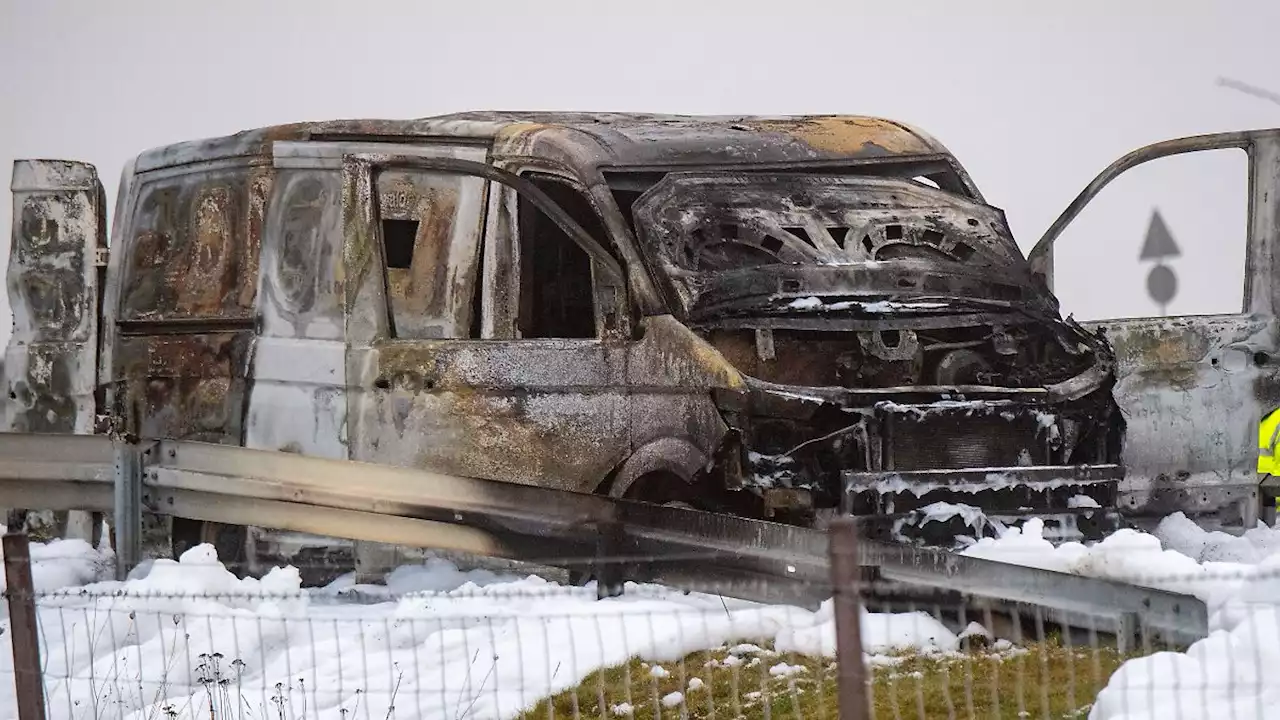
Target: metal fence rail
188 640
743 558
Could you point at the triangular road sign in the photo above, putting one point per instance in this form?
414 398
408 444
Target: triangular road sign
1159 243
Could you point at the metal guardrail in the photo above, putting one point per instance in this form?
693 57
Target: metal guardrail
401 506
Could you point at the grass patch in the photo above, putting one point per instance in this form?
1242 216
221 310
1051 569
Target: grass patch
1039 680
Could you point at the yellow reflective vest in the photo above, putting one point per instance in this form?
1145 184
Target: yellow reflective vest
1268 430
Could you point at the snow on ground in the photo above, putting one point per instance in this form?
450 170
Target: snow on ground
66 563
1238 577
187 639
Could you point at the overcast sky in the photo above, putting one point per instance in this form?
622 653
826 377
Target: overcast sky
1034 97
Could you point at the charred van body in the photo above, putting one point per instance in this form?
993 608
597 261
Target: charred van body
896 350
777 317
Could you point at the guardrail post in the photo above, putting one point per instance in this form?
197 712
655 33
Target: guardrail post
845 570
20 592
1127 636
128 504
609 575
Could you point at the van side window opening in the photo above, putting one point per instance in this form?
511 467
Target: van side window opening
431 245
1167 237
398 239
556 289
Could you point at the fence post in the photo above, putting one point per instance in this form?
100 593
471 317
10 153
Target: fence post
20 592
845 569
128 504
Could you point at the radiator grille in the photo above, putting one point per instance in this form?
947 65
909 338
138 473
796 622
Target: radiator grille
958 440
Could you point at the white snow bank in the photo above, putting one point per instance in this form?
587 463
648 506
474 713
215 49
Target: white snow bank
881 633
65 563
433 575
187 639
1238 577
1227 674
1126 556
1180 533
1224 675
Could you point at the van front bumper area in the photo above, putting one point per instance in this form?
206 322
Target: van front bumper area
1076 502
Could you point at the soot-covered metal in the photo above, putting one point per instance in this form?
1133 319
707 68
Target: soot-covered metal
886 329
776 317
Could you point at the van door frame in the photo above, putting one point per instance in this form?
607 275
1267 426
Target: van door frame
358 183
1193 388
503 221
490 407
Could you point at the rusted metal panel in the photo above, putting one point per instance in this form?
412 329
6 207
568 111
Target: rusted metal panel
847 135
431 291
540 412
187 266
606 140
867 236
58 226
193 246
500 269
298 398
53 279
561 413
613 138
351 345
301 295
188 386
1192 391
297 401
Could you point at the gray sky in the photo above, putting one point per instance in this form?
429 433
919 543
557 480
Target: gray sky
1034 102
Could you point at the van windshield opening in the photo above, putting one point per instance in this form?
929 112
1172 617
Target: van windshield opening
876 237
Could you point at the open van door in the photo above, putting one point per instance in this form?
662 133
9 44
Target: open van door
58 239
59 227
1170 252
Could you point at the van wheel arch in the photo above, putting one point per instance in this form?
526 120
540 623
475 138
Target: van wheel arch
665 457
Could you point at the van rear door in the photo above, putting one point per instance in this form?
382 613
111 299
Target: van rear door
180 306
59 230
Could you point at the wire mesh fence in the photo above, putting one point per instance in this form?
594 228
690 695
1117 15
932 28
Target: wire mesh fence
436 639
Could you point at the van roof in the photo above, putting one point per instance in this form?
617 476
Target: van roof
623 140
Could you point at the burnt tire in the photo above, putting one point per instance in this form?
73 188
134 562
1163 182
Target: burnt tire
230 541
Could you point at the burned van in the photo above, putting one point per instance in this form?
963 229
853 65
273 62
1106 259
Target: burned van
775 317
